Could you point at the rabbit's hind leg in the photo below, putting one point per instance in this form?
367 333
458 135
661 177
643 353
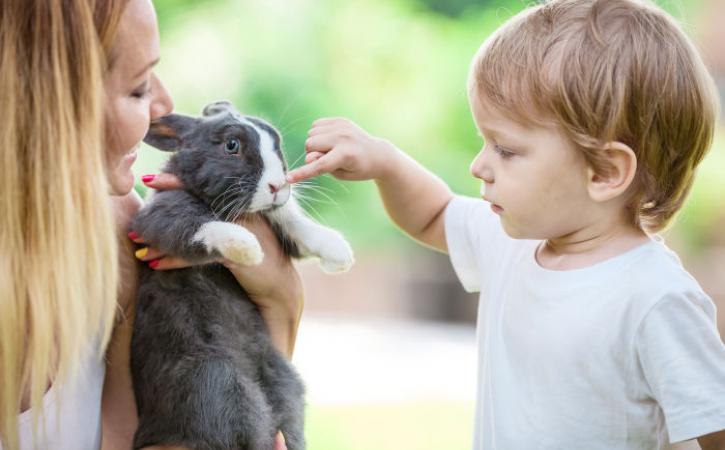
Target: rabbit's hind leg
233 407
218 409
285 392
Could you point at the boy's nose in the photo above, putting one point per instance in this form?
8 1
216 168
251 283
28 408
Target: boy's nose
480 168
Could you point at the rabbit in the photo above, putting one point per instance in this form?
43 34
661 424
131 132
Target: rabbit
205 373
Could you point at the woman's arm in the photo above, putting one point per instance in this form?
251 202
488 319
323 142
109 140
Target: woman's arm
274 286
118 407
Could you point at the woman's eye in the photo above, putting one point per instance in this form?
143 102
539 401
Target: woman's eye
142 91
232 146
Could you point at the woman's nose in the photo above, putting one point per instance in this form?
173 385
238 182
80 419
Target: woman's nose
480 167
162 104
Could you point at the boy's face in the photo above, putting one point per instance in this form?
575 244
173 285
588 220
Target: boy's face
533 176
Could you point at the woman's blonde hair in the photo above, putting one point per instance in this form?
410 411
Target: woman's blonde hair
608 71
58 257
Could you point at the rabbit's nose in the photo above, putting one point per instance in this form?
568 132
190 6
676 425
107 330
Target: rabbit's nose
274 188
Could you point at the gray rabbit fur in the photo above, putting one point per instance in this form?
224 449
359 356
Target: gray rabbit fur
205 373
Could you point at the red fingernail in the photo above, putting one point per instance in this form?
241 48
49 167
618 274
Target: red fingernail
154 263
148 178
133 235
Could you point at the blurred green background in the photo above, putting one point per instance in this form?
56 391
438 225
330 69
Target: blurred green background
398 68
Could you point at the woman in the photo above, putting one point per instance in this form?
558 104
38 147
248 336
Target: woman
77 93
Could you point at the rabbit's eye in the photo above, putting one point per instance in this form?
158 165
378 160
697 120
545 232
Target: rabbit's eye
232 146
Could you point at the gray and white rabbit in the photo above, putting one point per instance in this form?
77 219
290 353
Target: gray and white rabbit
206 375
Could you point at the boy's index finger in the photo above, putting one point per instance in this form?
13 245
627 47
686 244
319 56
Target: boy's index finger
311 170
301 174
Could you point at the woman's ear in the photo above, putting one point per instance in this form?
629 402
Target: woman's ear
618 176
165 133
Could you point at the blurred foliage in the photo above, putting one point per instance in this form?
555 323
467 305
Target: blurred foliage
396 67
457 8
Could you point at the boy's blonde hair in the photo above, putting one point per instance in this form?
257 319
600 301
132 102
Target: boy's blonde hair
607 71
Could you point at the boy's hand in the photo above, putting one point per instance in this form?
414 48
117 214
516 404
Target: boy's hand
340 147
413 197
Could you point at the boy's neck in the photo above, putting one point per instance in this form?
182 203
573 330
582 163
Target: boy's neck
588 246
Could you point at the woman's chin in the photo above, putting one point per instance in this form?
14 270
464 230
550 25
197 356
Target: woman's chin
121 179
121 184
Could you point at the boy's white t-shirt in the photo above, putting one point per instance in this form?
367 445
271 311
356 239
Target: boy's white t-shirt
624 354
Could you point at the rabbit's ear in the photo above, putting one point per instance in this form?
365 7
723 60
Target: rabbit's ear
217 107
165 133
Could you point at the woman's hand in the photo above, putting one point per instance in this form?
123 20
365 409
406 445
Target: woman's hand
274 286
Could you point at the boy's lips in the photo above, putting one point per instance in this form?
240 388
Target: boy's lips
496 208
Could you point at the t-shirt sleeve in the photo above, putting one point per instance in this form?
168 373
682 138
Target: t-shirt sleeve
683 360
471 230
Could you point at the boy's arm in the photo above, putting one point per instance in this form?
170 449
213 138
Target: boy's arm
414 198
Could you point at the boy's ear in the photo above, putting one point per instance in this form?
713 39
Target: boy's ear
617 178
165 133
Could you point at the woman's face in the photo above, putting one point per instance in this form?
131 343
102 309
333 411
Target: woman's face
135 95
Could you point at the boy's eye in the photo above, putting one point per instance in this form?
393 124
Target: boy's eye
232 146
503 152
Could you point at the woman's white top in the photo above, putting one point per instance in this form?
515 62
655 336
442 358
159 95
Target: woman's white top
72 411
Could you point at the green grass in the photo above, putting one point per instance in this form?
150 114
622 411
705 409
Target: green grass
414 426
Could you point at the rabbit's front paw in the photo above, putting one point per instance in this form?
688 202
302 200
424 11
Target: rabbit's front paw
232 241
242 251
334 252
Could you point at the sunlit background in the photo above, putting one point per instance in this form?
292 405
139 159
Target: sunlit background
388 350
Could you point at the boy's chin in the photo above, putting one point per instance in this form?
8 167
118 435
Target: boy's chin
517 232
512 231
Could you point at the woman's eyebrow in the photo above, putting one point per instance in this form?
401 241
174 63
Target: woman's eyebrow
148 66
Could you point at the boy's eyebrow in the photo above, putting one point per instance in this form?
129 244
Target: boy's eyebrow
493 133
